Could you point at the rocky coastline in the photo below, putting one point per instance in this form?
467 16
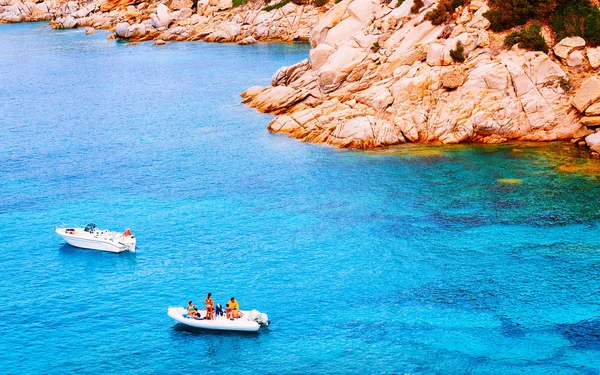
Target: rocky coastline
382 75
379 73
172 20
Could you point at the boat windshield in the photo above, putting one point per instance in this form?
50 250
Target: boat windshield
91 227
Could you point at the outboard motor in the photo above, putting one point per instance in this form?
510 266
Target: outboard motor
258 317
263 319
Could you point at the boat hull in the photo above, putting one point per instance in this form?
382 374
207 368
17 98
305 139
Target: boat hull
219 324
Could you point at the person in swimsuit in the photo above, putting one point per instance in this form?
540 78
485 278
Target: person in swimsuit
210 307
192 310
228 311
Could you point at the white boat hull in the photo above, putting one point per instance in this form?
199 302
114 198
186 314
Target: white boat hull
219 323
104 241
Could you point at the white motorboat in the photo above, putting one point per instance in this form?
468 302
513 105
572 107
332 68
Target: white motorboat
93 238
251 321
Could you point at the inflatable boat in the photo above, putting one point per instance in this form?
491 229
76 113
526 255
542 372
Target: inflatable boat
251 321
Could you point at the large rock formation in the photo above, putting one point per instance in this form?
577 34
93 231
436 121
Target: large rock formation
380 75
162 18
18 11
587 101
566 46
593 55
588 94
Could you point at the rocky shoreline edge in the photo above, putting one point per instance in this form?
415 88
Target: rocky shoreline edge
172 20
380 73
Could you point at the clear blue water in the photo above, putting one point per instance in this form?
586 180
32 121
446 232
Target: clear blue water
409 260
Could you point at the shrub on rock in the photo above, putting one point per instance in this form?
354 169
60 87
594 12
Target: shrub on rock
417 5
530 38
438 15
505 14
442 12
577 18
278 5
458 53
567 17
565 84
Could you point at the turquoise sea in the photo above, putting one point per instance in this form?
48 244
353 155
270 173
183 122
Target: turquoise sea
416 260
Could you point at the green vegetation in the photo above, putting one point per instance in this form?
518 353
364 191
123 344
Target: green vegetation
529 38
418 4
278 5
510 13
442 12
458 53
237 3
577 18
438 15
565 84
283 3
567 17
375 47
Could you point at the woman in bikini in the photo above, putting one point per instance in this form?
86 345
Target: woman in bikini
210 307
192 311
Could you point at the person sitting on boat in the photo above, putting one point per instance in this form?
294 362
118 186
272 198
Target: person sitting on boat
228 311
127 232
197 313
192 310
210 307
235 308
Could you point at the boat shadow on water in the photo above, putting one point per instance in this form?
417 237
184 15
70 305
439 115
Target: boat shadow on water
67 249
215 344
182 328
